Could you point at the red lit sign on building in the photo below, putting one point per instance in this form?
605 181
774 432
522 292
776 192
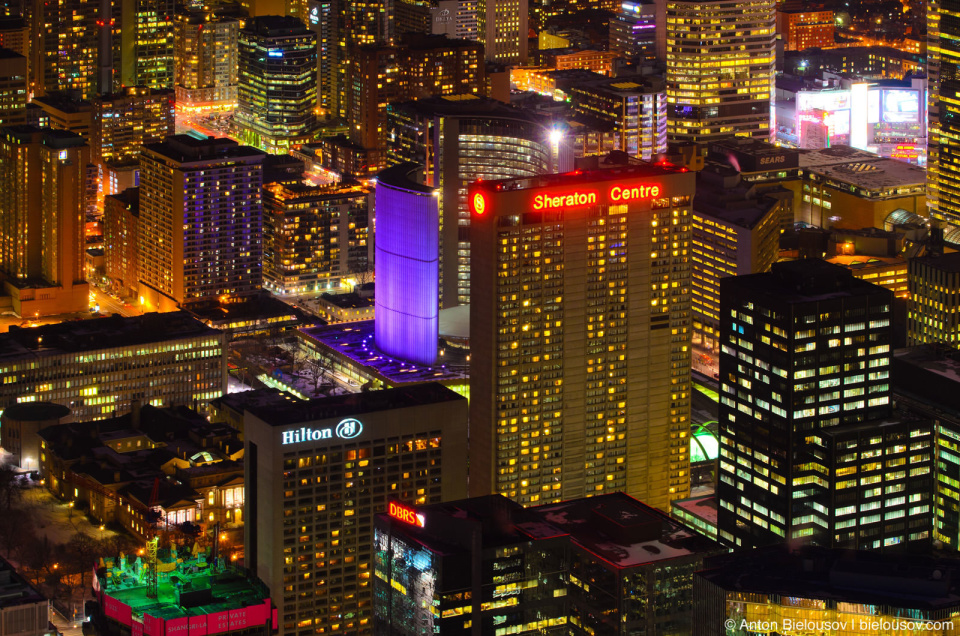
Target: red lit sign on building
616 194
405 514
479 203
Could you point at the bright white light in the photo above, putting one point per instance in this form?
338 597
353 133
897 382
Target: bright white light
555 136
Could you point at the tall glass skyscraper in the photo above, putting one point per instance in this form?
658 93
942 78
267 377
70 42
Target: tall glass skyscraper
943 81
720 69
277 83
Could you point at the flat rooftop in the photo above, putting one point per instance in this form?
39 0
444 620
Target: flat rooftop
850 576
100 333
293 411
188 585
615 528
803 281
875 174
349 300
354 341
187 148
16 590
949 262
631 171
832 156
857 262
704 507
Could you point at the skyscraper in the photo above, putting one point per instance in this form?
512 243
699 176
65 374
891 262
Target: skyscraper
200 225
459 139
934 284
13 88
720 69
316 474
68 39
358 23
805 359
126 120
633 30
206 60
277 96
502 28
42 242
580 335
146 46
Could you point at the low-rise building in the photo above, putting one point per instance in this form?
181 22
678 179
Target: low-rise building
23 610
98 367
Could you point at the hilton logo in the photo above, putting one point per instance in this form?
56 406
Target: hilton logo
348 428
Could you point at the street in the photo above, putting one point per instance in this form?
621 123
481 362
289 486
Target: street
110 305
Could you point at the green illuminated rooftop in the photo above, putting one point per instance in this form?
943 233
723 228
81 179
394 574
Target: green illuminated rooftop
188 584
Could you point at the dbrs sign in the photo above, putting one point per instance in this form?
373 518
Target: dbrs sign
405 514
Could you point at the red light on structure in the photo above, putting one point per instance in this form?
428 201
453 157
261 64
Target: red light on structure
479 203
405 514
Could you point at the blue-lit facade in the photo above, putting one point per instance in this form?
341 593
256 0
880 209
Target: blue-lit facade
408 267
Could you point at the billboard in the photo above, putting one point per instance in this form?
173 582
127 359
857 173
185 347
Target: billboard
901 106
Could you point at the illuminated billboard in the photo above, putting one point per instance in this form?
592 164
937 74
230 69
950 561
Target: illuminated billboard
901 106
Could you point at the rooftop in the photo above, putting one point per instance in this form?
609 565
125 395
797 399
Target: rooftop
190 583
852 576
465 106
638 170
704 507
16 590
874 173
949 262
803 281
355 341
349 300
100 333
186 148
723 196
292 411
615 528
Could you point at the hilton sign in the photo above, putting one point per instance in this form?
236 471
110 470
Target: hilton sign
348 428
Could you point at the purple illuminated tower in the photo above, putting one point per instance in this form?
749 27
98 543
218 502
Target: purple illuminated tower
408 266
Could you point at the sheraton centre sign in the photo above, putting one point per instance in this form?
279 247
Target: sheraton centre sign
348 428
555 199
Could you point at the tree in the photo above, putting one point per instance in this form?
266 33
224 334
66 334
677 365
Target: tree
83 552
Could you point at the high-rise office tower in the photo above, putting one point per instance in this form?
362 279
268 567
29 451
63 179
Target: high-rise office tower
68 39
359 23
502 28
633 30
13 88
934 284
307 235
943 64
735 232
637 108
206 60
126 120
804 361
277 94
423 66
201 217
456 19
459 139
144 29
580 335
318 471
720 69
42 201
321 18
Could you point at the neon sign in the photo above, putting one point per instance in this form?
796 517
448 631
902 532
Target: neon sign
348 428
405 514
547 201
479 203
617 193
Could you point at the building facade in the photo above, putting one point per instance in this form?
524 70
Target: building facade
580 332
98 367
934 294
720 84
487 564
733 234
503 29
13 88
458 140
408 266
121 250
804 350
277 83
129 119
205 77
42 205
633 31
201 218
635 106
314 236
317 474
805 27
